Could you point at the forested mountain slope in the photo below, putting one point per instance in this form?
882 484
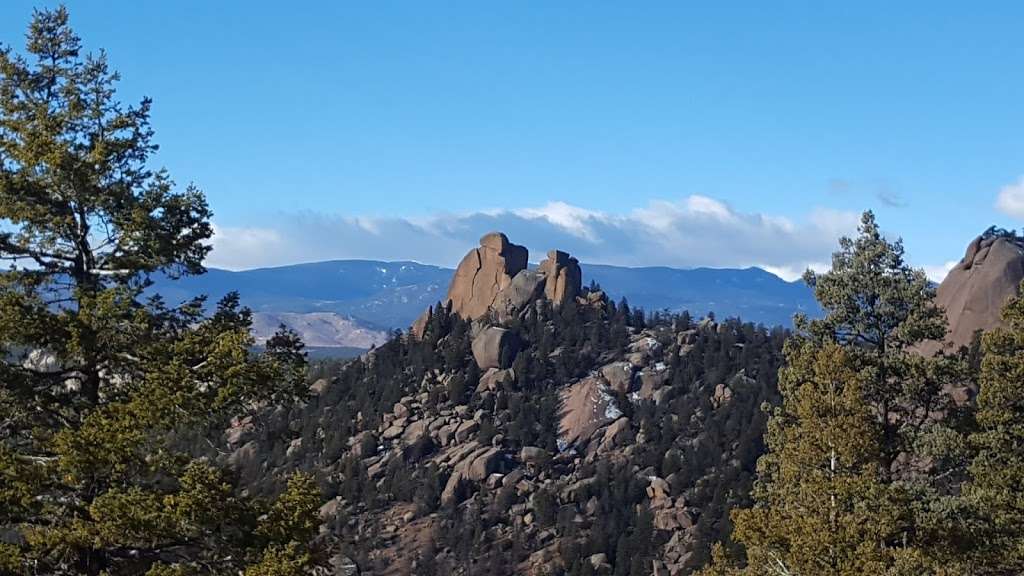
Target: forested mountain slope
575 435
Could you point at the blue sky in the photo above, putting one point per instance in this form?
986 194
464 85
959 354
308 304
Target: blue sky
629 134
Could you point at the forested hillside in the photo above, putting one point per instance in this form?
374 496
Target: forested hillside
427 458
530 421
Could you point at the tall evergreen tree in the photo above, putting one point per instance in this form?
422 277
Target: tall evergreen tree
997 472
97 382
822 505
880 308
845 487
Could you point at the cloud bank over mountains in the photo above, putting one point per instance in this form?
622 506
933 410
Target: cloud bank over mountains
693 231
690 232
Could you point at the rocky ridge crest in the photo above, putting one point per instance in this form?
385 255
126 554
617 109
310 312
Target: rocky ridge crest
494 279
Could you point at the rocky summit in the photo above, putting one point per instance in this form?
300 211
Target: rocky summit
529 426
483 273
976 289
494 279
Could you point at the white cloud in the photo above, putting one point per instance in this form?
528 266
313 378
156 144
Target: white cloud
239 248
571 218
710 207
795 272
1011 199
938 272
689 232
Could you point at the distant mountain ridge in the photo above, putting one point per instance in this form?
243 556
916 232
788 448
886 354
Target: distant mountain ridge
358 301
379 295
753 294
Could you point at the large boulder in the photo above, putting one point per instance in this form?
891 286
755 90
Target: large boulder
484 464
619 376
721 396
450 494
586 406
466 429
976 289
533 455
563 277
527 286
483 273
495 347
495 379
617 434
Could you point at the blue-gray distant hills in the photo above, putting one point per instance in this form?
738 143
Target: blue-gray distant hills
353 303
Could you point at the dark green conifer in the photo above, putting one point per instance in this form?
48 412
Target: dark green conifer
997 472
99 385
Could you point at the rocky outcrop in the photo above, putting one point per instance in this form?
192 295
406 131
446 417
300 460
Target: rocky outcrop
722 396
483 273
495 348
586 406
526 287
546 471
494 379
563 278
419 327
494 279
976 289
619 376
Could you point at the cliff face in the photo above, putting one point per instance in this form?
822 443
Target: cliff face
494 278
483 273
977 288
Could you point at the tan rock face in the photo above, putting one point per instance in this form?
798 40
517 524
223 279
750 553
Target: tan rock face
495 379
586 407
495 348
419 326
976 289
494 278
526 286
483 273
563 277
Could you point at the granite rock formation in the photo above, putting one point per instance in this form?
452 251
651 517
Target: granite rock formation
563 277
493 279
976 289
483 273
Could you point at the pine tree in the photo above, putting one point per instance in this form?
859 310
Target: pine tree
100 386
879 308
846 487
997 472
822 507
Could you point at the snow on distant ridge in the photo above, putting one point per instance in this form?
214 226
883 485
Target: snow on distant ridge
318 329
